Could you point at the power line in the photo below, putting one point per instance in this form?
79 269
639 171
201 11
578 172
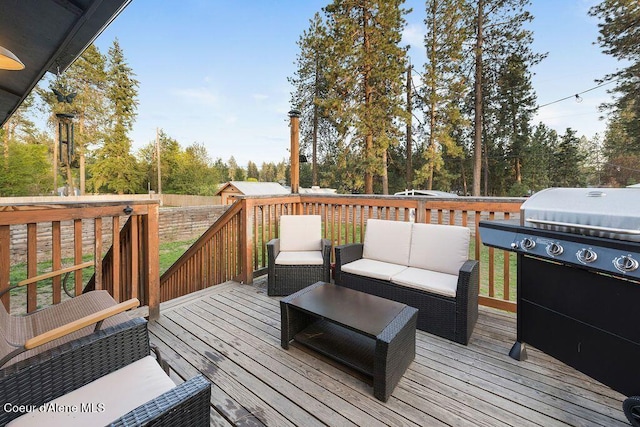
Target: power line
577 95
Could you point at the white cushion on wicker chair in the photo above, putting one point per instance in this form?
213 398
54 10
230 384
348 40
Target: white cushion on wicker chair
387 241
442 248
373 268
300 233
300 258
431 281
117 393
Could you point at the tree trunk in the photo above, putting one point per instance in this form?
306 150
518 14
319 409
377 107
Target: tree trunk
385 174
368 93
5 145
81 155
477 138
409 176
314 154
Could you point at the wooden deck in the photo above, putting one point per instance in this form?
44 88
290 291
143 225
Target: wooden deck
231 334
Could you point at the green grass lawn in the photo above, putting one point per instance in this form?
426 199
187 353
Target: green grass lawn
169 253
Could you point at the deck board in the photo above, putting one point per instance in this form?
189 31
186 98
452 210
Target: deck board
231 334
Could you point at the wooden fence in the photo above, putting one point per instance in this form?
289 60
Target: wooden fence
235 246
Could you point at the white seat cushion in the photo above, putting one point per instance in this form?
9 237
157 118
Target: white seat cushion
431 281
372 268
300 233
105 399
387 241
299 258
442 248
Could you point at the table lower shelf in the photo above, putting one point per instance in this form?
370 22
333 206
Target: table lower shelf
354 350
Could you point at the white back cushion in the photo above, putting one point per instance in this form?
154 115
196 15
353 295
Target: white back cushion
300 233
387 241
442 248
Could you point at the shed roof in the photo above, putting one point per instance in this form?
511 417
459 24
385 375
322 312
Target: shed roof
251 188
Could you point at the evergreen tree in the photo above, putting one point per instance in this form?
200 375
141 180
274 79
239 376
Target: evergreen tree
567 161
310 87
442 82
619 37
515 103
537 161
115 168
365 70
499 34
252 171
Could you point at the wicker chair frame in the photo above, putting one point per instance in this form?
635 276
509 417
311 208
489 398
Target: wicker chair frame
58 371
287 279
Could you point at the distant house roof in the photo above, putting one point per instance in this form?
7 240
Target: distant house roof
317 190
250 188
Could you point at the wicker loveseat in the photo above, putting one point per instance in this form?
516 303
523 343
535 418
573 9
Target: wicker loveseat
425 266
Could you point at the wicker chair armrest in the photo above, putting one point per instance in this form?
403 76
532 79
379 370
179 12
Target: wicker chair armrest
468 273
344 255
326 250
188 404
467 299
348 253
273 249
94 318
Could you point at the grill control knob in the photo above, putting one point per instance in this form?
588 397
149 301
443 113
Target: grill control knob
625 264
554 249
586 256
528 243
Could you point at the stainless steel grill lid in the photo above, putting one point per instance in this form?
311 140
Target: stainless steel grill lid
612 213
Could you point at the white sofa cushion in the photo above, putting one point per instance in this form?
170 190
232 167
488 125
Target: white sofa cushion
387 241
373 268
300 233
111 397
299 258
442 248
431 281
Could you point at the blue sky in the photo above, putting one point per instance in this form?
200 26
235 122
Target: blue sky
215 72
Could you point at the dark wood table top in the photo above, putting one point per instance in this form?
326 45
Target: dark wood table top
368 314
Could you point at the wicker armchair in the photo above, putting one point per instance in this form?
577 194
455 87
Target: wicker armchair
300 257
94 370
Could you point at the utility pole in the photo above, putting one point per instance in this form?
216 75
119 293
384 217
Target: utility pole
158 161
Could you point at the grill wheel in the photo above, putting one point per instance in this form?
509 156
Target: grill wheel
631 407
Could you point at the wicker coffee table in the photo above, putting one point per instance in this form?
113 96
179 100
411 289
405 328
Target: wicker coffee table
372 335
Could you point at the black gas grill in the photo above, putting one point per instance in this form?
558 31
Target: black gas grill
578 254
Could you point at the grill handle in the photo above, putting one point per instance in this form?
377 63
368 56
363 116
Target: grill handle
586 227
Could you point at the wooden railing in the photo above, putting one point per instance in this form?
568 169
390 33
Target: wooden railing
235 246
214 258
132 272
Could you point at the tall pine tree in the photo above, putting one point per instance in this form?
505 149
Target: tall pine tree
620 37
442 82
310 87
115 168
365 70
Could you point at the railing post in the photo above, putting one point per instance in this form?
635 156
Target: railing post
294 115
246 241
153 261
